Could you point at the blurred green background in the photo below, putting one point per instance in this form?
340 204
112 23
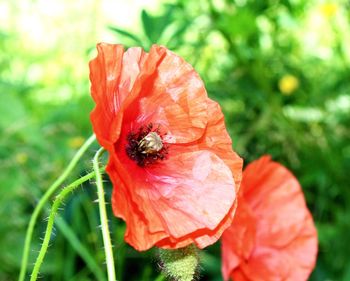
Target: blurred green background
279 69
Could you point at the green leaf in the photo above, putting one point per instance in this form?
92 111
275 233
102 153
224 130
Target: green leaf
127 34
148 25
177 36
155 26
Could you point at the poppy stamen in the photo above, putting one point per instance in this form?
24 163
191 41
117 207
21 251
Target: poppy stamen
150 144
145 146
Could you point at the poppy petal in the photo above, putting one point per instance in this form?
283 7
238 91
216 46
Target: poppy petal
173 97
294 262
303 251
277 201
238 275
104 73
267 264
217 140
138 232
241 238
176 175
285 239
179 197
201 237
112 73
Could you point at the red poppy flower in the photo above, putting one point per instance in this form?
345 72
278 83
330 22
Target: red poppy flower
174 173
272 236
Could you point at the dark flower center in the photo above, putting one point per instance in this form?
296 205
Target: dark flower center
145 146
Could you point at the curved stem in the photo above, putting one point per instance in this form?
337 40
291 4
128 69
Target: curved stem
56 204
104 221
43 201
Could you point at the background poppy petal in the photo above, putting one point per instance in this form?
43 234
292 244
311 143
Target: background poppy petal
277 200
303 251
241 238
238 275
285 239
267 264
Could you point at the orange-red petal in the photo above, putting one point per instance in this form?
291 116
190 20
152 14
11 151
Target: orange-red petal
194 187
241 238
112 73
285 240
172 96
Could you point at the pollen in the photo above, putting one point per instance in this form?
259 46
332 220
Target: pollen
145 146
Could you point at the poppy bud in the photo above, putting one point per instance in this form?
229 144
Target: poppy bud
180 264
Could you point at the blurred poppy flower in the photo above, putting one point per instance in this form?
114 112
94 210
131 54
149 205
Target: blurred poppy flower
174 173
272 236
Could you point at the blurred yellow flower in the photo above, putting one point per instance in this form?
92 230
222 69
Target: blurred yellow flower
21 157
328 10
76 142
288 84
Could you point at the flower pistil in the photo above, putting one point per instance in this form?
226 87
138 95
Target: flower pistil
145 146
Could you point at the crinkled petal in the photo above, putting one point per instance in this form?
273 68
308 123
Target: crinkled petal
104 75
238 241
138 233
303 251
173 97
191 192
217 140
267 264
238 275
278 202
290 263
172 190
112 73
201 237
285 239
195 190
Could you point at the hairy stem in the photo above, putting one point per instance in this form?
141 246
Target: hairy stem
43 201
103 217
56 204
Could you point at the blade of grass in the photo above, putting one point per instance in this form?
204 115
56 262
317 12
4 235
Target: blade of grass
82 251
127 34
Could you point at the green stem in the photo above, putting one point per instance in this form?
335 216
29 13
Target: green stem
56 204
103 217
43 201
